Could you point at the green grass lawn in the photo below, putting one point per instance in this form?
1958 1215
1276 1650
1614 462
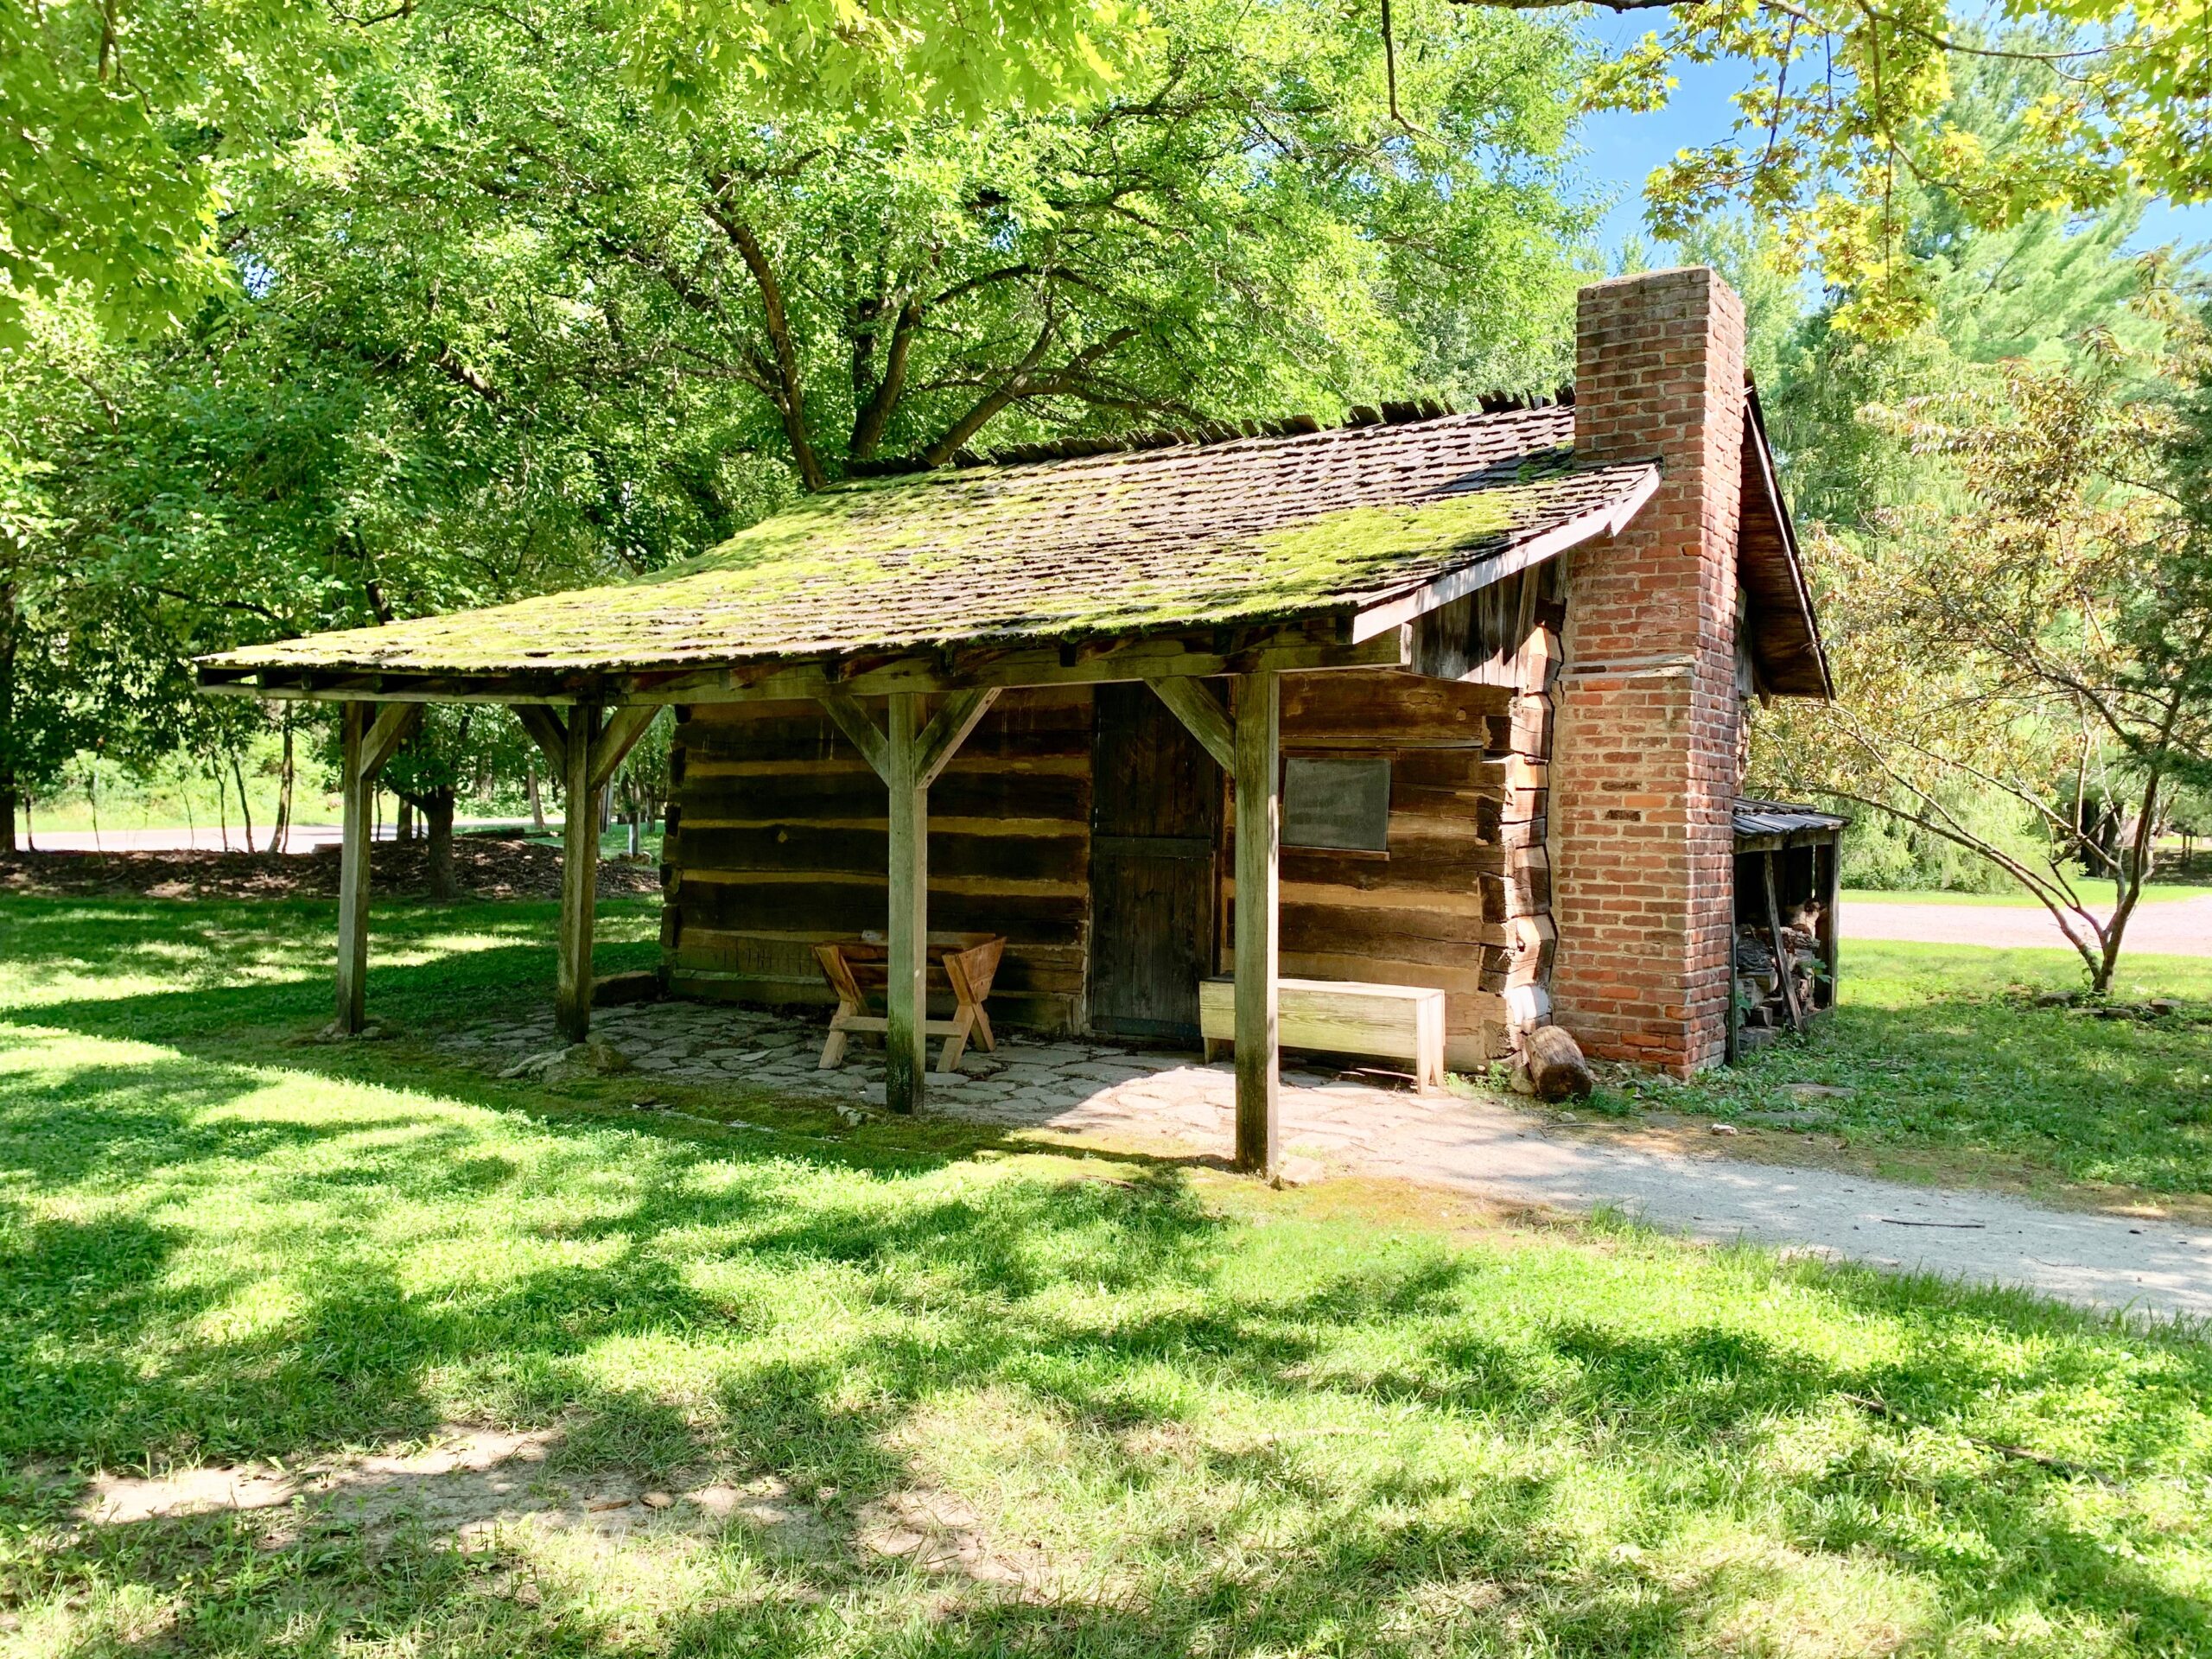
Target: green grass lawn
1180 1414
614 842
1945 1050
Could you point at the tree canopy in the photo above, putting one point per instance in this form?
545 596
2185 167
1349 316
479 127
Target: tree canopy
1854 111
1998 516
508 324
1231 230
132 126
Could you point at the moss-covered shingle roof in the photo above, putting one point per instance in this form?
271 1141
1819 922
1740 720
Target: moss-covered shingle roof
1250 532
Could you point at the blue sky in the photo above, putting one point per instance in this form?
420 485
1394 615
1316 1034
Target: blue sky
1621 150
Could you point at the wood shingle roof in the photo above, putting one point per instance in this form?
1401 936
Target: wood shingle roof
1345 523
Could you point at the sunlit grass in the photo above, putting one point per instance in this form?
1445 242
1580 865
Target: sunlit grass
1945 1046
1188 1416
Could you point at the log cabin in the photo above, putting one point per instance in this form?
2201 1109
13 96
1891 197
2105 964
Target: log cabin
1440 700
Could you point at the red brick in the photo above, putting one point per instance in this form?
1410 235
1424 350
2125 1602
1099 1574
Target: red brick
1644 903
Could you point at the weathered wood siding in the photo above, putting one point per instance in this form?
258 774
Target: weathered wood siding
780 840
1431 911
781 837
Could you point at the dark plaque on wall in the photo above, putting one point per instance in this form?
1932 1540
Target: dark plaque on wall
1341 804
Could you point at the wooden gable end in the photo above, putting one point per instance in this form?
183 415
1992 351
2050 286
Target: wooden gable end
1783 634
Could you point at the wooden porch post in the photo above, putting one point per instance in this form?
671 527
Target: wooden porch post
908 758
1828 863
369 742
353 873
579 875
905 1042
1259 826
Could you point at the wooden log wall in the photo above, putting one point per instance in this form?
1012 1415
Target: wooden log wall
1532 935
1432 911
779 839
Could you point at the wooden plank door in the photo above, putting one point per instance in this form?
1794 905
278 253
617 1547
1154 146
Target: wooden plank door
1155 841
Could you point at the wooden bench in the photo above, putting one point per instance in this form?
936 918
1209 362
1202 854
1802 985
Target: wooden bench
1334 1016
854 967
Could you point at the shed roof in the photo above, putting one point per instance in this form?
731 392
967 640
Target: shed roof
1253 530
1778 823
1360 526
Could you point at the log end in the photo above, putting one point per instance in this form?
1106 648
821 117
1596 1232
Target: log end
1554 1065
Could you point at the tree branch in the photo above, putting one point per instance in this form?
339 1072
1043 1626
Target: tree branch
790 397
1021 383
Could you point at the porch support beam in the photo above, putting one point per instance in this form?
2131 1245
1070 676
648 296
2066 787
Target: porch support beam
860 729
579 875
1195 705
624 727
382 739
908 756
905 1057
371 736
1259 830
942 738
548 729
585 754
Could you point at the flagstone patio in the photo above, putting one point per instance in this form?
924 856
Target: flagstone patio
1135 1098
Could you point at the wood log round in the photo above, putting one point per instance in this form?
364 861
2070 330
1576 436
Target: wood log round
1554 1063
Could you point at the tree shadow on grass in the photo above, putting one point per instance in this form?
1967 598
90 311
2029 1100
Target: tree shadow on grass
231 1279
842 1418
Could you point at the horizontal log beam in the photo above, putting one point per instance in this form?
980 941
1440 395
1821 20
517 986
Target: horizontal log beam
922 673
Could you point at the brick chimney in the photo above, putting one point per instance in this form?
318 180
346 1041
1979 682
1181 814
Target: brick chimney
1647 767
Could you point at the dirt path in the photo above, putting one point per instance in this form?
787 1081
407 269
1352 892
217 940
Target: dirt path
2178 927
213 838
1496 1153
2114 1262
486 867
1481 1144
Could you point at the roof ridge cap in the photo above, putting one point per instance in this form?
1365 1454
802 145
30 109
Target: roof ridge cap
1216 433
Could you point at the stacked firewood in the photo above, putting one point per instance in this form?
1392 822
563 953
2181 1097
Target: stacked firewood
1761 1001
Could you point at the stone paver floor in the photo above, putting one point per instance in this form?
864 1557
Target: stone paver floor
1347 1124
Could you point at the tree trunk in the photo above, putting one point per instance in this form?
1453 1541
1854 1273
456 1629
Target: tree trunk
2134 867
280 833
9 791
536 796
437 819
404 820
245 812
